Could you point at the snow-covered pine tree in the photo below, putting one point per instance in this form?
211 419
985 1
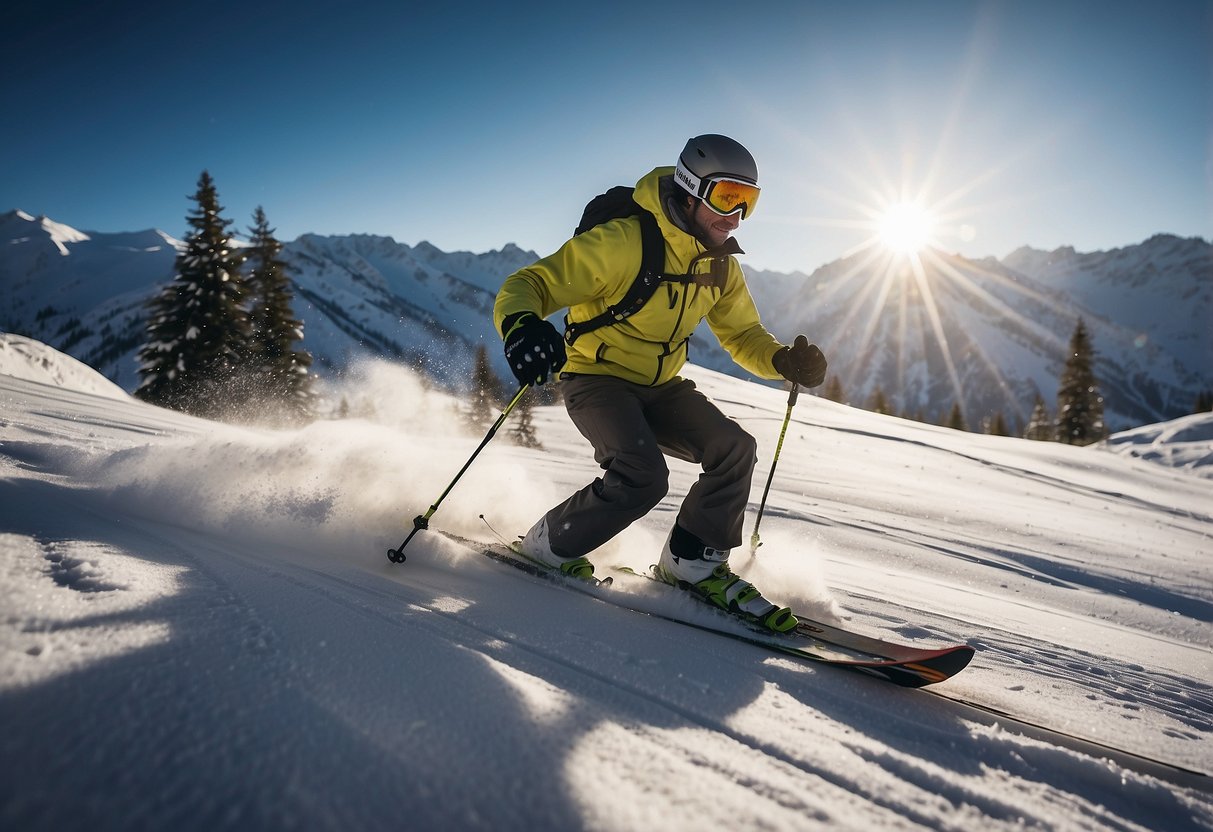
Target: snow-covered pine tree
486 391
1079 403
996 425
523 431
281 384
1040 423
198 328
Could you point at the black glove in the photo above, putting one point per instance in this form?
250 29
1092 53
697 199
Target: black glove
533 347
801 363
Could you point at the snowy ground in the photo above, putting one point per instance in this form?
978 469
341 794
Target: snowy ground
200 630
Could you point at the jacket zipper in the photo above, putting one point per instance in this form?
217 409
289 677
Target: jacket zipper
677 323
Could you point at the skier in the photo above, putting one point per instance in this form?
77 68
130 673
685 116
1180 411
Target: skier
621 385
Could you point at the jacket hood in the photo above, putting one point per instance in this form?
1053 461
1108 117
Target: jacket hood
648 196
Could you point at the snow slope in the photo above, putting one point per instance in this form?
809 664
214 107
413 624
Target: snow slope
1185 443
200 630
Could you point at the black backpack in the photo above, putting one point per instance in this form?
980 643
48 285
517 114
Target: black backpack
615 204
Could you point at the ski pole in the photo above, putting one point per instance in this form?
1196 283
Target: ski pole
422 521
754 541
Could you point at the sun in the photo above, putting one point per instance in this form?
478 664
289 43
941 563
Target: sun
906 227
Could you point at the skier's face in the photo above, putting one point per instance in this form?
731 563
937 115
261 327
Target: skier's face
711 228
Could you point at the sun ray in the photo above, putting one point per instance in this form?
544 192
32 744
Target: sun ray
936 321
869 286
963 283
1003 309
886 283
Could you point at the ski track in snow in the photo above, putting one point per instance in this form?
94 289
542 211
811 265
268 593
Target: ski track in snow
202 631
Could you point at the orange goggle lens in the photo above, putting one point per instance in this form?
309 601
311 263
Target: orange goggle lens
724 196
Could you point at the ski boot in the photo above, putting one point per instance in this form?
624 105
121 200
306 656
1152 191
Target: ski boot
688 564
536 547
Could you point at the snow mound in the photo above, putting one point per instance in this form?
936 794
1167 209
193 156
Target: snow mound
32 360
1185 443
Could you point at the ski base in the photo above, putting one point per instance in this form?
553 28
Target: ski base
903 664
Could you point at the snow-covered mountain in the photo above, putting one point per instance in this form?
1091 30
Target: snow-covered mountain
371 296
1005 325
83 293
991 334
359 296
199 629
1161 290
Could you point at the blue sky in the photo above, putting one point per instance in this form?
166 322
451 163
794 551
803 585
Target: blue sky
474 125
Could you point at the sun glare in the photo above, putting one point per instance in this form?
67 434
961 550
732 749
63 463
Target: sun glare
906 228
897 291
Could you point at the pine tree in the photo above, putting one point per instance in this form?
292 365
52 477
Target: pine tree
956 419
877 403
197 332
1204 402
524 422
1040 423
833 391
1079 404
486 391
281 384
997 425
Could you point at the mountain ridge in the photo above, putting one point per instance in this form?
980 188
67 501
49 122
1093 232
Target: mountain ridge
1004 323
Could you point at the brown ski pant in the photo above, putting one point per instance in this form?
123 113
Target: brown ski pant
631 427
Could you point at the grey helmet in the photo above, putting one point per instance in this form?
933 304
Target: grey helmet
712 155
720 173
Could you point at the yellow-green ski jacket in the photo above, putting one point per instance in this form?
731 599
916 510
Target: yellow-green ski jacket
595 269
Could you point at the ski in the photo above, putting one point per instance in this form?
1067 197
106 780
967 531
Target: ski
903 664
512 557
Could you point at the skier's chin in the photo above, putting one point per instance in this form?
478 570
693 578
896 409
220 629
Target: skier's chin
718 236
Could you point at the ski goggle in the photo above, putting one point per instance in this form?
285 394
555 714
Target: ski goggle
723 194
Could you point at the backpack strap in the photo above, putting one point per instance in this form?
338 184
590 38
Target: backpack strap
650 276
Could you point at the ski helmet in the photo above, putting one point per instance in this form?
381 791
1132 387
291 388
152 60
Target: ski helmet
709 158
